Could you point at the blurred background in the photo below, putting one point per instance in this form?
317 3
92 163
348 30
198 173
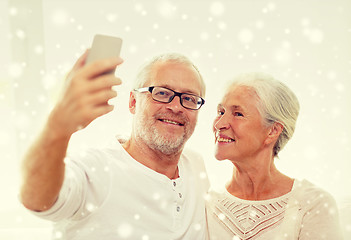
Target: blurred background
305 44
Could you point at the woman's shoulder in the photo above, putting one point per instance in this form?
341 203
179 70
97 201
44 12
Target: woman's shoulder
215 194
311 195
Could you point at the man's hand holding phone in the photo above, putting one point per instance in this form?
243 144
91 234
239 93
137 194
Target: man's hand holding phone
89 87
85 97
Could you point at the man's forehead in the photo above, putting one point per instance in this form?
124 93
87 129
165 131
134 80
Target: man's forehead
183 82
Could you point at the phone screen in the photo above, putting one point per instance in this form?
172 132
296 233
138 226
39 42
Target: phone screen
104 47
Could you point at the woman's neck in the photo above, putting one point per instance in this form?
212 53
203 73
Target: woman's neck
258 181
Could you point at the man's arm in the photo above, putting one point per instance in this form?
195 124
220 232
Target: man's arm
85 98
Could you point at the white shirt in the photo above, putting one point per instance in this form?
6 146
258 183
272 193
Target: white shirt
305 213
109 195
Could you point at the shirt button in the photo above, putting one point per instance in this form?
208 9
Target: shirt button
174 183
180 195
178 208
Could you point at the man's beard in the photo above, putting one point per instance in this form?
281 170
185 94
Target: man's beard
147 132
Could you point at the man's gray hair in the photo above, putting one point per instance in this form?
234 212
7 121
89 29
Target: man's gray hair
276 103
144 73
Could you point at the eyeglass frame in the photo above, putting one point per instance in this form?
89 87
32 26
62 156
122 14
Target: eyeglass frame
179 94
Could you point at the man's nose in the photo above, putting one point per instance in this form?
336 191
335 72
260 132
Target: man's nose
175 104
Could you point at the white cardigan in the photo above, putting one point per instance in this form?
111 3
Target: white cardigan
305 213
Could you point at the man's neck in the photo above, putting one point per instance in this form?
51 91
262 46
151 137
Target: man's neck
155 160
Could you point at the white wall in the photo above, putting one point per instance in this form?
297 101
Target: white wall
306 44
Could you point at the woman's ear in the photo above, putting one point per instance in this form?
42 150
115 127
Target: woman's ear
274 132
132 102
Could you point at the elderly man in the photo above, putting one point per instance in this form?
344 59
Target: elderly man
146 187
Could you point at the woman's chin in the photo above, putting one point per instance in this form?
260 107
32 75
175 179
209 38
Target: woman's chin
220 157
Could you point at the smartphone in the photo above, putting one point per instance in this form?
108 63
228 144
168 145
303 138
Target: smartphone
104 47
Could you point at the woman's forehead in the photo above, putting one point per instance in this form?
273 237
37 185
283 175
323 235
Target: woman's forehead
243 97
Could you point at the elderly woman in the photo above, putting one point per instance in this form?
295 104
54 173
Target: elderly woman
255 120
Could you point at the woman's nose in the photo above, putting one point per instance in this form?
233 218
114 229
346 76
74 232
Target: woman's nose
220 123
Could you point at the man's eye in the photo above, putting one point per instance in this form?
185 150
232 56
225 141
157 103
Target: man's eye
190 99
162 93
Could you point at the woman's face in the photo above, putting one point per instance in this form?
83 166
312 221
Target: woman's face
238 128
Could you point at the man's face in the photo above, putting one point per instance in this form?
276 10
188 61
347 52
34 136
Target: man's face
165 127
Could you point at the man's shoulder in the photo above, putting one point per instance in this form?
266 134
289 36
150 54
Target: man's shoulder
194 161
192 158
96 155
190 153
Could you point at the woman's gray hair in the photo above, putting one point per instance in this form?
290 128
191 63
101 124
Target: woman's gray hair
145 72
276 103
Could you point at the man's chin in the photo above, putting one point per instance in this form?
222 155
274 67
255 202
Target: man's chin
169 145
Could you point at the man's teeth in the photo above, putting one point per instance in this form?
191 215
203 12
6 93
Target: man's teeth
169 121
224 140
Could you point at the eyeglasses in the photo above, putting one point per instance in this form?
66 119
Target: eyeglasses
165 95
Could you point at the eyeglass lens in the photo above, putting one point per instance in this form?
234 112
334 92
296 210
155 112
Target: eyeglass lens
166 95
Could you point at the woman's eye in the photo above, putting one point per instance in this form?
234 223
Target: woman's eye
220 112
238 114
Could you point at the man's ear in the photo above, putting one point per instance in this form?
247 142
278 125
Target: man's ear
274 132
132 102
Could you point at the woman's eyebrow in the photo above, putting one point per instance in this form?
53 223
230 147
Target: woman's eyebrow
236 107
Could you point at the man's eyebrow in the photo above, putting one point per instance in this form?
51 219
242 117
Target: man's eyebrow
183 91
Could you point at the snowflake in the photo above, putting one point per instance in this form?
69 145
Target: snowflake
156 196
271 6
13 11
314 35
305 22
90 207
204 36
283 55
221 216
139 7
20 34
167 9
79 27
111 17
59 17
133 49
259 24
145 237
15 70
217 9
39 49
125 230
197 227
340 87
203 175
246 35
58 235
222 25
49 81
